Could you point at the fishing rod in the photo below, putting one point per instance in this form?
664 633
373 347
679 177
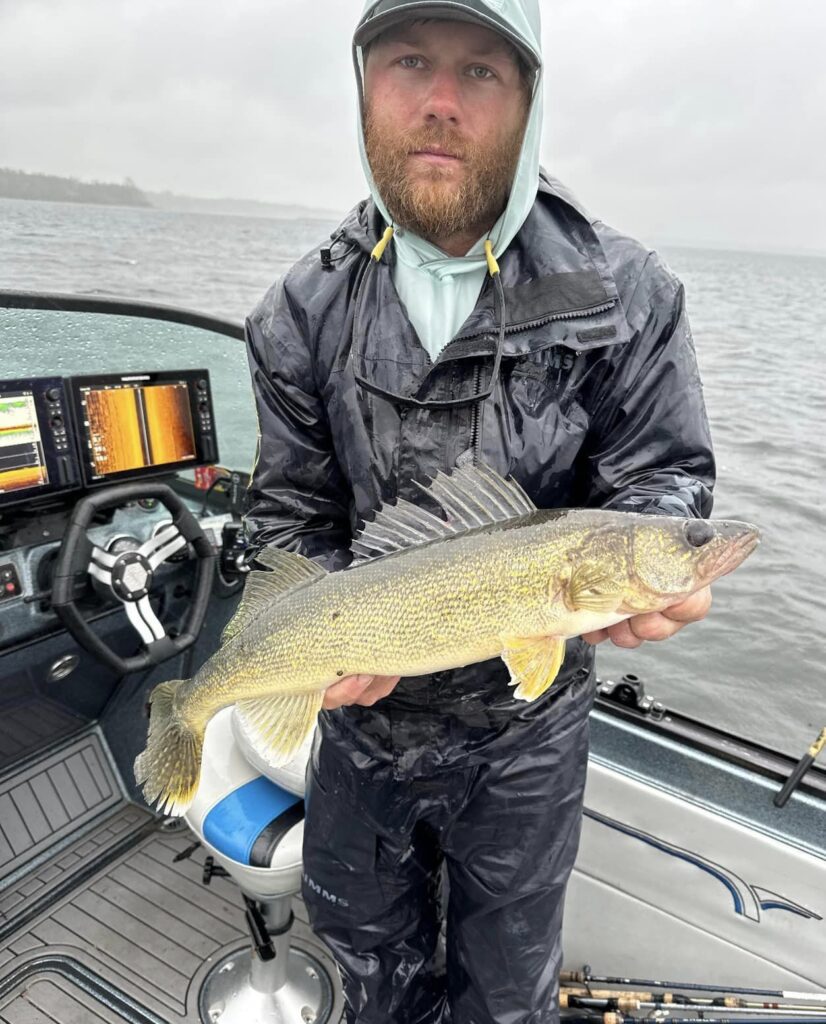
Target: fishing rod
623 1003
800 769
585 977
675 1000
619 1018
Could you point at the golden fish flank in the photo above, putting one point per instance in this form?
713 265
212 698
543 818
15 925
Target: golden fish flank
490 576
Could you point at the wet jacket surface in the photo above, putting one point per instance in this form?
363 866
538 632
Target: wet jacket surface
598 404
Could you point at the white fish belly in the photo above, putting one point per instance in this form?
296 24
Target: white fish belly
578 623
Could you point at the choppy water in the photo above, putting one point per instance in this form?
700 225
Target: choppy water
756 665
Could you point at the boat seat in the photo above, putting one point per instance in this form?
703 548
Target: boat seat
249 815
251 823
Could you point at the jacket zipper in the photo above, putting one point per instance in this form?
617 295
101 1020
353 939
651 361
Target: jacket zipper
474 423
528 325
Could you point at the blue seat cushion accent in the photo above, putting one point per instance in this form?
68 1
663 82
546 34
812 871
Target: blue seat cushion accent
234 824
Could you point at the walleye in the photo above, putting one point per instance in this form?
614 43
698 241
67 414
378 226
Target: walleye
495 577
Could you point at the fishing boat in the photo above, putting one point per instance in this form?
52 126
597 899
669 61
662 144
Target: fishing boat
121 559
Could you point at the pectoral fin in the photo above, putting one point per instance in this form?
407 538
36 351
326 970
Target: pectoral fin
533 662
591 590
278 725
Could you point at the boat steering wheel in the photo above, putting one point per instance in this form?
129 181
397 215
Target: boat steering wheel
129 576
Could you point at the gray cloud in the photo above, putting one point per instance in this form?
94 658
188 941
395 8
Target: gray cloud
689 121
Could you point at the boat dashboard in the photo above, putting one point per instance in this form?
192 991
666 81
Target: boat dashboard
109 504
59 435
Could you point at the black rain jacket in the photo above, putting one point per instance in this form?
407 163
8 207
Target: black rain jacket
598 404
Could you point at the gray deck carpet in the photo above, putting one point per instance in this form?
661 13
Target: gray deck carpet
111 929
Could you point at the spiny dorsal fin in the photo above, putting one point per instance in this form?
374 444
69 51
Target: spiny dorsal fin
475 496
470 497
288 570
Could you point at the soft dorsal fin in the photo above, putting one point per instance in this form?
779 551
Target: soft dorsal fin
287 570
470 497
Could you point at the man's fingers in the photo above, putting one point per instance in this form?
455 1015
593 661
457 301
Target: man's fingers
358 689
379 688
623 636
596 636
692 609
653 626
346 691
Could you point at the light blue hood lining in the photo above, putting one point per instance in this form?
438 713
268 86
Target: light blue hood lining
440 291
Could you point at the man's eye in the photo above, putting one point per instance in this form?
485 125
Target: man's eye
410 62
481 72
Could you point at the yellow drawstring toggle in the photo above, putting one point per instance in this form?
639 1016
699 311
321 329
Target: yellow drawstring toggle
378 252
818 745
493 266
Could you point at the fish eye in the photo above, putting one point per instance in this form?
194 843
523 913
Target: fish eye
699 532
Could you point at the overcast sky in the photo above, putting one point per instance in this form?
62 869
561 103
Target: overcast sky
696 121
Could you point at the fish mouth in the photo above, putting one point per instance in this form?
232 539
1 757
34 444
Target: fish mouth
737 547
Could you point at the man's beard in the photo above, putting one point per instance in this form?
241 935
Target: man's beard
431 203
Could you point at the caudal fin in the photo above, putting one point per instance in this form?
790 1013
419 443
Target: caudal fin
170 767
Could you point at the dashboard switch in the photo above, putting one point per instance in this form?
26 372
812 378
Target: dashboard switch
9 581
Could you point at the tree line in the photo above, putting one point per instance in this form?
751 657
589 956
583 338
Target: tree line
22 185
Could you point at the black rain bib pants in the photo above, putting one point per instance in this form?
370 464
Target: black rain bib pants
505 832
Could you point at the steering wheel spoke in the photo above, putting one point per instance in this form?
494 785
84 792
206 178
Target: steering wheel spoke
166 542
101 564
146 623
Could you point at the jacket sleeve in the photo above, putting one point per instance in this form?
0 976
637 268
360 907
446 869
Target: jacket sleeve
649 444
298 497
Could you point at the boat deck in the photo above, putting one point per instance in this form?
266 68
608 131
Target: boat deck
105 925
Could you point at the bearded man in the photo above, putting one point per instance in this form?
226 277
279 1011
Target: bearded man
496 323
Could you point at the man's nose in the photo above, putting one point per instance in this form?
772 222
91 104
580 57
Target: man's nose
443 101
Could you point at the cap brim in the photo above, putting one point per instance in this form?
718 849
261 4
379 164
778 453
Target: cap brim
387 13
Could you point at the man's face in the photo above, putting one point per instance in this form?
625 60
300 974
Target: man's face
445 112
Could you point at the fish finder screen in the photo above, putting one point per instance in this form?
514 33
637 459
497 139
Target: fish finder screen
131 426
22 460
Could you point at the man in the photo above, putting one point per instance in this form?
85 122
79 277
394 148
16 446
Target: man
382 360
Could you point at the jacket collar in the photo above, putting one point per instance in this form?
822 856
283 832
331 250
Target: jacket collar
555 270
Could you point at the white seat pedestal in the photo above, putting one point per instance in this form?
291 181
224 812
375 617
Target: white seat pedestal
252 824
294 988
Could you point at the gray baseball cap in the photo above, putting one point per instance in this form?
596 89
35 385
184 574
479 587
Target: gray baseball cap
386 13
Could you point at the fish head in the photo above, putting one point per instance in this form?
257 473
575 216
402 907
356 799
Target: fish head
672 557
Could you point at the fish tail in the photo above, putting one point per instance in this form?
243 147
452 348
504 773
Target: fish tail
170 767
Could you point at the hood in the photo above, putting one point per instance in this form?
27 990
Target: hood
519 22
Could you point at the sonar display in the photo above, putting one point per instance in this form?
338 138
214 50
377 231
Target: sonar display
22 463
130 427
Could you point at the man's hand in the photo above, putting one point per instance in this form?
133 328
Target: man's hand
363 690
655 625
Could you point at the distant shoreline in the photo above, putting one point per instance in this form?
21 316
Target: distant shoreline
54 189
22 185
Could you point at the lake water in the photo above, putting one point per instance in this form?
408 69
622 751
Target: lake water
756 665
